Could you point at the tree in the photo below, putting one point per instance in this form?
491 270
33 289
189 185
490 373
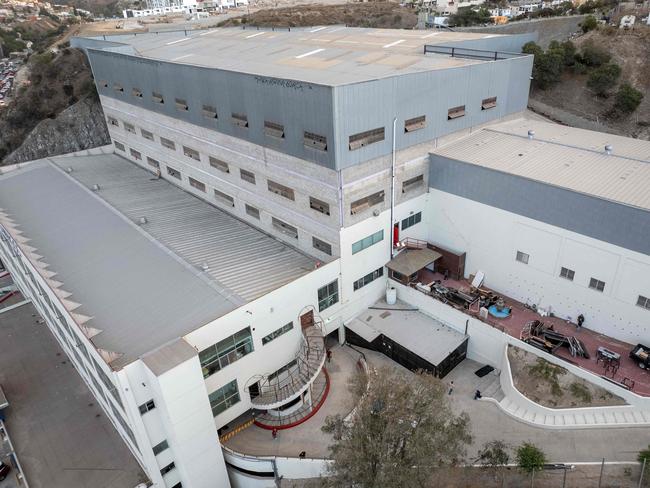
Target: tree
590 23
403 429
628 99
602 79
547 66
593 55
466 16
493 455
530 458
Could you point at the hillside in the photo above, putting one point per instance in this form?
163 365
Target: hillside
370 14
572 102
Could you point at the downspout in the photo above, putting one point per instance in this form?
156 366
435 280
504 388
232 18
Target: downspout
392 194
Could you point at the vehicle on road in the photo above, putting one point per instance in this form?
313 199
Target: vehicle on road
4 470
641 356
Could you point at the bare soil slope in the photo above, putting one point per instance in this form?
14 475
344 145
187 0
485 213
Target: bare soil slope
371 14
631 51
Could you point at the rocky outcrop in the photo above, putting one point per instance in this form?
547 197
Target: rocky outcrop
80 126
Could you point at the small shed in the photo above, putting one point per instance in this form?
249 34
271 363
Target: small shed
405 266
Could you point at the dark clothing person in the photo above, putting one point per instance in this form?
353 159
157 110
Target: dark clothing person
274 433
477 395
581 320
329 355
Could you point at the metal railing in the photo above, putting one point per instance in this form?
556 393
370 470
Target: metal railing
466 53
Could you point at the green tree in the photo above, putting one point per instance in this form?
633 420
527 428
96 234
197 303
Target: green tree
494 455
604 78
547 66
628 99
530 458
590 23
593 55
403 429
466 16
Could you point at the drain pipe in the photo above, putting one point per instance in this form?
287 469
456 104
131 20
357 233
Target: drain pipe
392 194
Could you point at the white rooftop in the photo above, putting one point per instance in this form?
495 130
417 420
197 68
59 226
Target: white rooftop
562 156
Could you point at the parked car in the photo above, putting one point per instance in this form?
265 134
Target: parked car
641 356
4 470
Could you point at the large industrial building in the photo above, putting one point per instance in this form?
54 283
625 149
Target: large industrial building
255 198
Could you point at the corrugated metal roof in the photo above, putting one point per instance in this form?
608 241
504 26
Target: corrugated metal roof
331 55
125 290
243 261
562 156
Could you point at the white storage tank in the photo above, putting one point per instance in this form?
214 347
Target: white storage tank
391 295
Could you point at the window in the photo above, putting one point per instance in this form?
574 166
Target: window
365 138
415 123
281 190
367 241
197 184
209 112
152 162
488 103
285 228
367 202
174 173
160 447
118 88
314 141
224 398
129 127
167 468
220 165
147 407
272 129
277 333
643 302
319 205
167 143
226 352
124 425
252 211
157 97
113 121
239 120
328 295
369 278
108 383
597 285
411 220
181 104
191 153
522 257
456 112
136 154
567 273
119 146
146 134
136 92
247 176
224 198
412 183
322 246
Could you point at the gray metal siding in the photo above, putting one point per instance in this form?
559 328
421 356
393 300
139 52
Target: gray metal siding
621 225
369 105
299 106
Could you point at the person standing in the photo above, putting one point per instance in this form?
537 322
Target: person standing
451 387
581 320
274 433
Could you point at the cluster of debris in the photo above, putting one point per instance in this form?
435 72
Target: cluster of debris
544 337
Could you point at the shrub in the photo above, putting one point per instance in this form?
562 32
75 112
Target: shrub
547 66
603 79
590 23
530 458
628 98
580 391
593 55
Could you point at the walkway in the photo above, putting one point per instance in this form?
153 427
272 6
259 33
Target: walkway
308 436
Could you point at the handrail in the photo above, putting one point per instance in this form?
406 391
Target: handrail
463 52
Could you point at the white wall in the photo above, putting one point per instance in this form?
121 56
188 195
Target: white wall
491 237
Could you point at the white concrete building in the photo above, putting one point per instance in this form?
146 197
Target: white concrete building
252 197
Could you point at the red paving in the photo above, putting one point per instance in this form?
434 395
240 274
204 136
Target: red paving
592 340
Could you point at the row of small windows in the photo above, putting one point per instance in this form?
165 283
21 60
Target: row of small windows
411 220
310 140
369 278
366 242
222 166
594 283
229 201
226 351
277 333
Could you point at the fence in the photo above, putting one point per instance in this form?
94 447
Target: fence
462 52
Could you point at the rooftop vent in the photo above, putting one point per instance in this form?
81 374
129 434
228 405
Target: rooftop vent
531 134
609 149
95 187
205 267
142 220
68 169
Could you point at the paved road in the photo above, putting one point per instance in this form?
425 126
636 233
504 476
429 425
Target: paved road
61 435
